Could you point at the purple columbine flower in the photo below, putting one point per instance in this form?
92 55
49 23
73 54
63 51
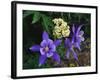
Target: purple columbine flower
47 49
70 49
77 38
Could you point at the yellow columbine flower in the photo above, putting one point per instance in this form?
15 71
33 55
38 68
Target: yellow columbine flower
61 28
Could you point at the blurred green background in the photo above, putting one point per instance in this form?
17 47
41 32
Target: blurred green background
35 22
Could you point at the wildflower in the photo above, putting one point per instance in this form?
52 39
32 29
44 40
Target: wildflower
77 36
61 28
47 49
70 48
75 42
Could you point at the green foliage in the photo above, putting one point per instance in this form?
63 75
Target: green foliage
32 62
47 23
61 50
36 17
27 13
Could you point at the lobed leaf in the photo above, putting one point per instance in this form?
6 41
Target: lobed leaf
36 17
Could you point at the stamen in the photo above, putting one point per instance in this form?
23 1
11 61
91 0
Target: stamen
46 49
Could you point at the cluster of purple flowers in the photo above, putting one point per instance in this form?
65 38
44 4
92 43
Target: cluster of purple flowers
47 47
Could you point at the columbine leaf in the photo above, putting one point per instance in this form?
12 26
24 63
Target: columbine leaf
87 29
36 17
27 13
32 62
47 23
